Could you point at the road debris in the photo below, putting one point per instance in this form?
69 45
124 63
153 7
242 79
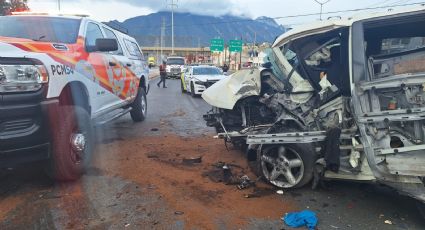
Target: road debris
225 173
245 182
259 192
192 160
152 155
154 129
299 219
251 195
388 222
280 192
178 213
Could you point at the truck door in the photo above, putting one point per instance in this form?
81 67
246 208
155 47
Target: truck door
93 67
122 73
139 66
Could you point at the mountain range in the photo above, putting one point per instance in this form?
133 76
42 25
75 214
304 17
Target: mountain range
192 30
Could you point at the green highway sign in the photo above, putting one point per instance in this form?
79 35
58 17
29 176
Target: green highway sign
217 45
235 45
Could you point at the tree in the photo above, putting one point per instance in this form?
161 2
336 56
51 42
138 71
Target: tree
8 6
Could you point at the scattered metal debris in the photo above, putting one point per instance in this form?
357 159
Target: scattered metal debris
192 160
245 182
179 213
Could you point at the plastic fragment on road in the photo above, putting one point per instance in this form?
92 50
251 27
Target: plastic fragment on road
299 219
388 222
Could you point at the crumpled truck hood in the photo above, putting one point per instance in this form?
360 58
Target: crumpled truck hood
226 92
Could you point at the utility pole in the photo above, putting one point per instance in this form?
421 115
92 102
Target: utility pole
321 6
173 5
240 55
162 38
59 5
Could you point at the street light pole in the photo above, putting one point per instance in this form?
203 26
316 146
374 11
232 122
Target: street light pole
172 4
59 5
162 40
321 6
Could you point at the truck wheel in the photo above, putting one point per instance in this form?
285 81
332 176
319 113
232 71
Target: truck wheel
72 143
287 166
140 106
192 90
182 87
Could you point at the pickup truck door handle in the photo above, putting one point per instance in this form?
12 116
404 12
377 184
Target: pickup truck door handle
129 64
112 63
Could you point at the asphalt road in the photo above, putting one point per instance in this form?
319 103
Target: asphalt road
138 180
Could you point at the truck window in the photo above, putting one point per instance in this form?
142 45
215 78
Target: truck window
110 34
133 49
175 61
395 47
93 33
45 29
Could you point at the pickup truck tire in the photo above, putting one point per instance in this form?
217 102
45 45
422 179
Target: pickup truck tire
72 143
140 106
192 90
295 160
182 86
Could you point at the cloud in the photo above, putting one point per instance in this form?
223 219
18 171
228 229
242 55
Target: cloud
203 7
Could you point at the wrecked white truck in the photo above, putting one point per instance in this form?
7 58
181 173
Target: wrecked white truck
340 99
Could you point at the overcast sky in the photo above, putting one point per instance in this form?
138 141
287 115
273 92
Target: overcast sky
106 10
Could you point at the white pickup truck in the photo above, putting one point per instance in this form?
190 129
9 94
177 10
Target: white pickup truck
60 75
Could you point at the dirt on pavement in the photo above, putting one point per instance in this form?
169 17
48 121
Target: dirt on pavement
158 161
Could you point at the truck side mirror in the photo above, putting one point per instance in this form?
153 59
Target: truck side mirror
106 44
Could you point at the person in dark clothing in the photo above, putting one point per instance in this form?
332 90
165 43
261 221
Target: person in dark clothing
162 74
225 68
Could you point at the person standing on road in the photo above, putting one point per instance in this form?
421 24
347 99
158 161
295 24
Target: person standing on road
162 74
225 68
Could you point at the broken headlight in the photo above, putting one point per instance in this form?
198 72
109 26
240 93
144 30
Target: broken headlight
22 78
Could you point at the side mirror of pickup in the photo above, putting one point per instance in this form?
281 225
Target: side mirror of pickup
106 44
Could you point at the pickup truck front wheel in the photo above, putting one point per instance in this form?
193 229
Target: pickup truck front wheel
140 106
72 143
287 166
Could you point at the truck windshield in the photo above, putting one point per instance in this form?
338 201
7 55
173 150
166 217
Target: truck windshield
175 61
45 29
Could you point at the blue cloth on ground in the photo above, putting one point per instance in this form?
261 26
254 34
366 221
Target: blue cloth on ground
299 219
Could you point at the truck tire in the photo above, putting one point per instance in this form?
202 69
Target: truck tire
140 106
192 90
72 143
296 162
182 86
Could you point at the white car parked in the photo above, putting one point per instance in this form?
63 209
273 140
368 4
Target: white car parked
196 79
